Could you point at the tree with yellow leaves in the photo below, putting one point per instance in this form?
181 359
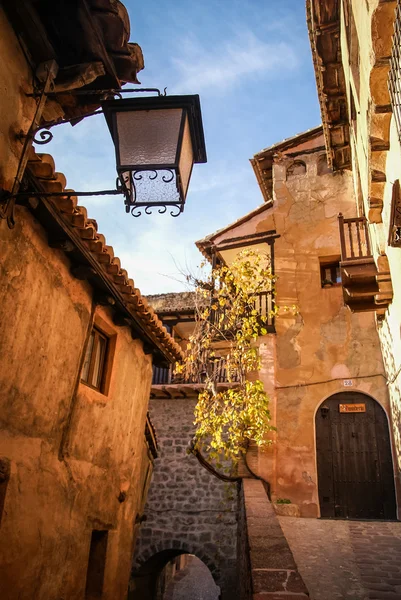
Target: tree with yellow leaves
228 323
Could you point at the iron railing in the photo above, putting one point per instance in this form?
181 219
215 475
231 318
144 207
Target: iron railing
354 238
264 304
217 368
394 80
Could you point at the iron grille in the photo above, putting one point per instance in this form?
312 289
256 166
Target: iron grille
166 375
394 82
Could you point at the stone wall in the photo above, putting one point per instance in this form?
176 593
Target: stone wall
171 302
243 552
188 509
271 572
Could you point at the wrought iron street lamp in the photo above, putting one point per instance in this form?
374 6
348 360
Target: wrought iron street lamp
157 140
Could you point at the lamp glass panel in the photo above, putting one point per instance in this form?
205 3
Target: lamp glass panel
186 159
148 137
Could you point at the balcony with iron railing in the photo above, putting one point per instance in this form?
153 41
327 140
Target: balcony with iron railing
264 305
165 381
365 286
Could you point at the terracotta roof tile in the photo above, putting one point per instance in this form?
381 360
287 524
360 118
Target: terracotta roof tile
42 167
290 141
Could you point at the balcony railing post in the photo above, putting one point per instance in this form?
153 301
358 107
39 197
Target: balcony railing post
358 236
351 245
368 249
216 368
342 236
355 226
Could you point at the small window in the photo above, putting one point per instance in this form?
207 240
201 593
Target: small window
95 360
354 119
5 469
322 165
330 274
394 238
298 167
96 565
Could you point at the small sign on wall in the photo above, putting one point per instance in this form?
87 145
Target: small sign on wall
347 383
352 408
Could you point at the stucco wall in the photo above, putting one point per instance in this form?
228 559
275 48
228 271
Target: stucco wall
390 327
188 509
72 450
315 350
76 459
17 111
267 567
324 344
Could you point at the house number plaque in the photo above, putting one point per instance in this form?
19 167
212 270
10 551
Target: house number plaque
352 408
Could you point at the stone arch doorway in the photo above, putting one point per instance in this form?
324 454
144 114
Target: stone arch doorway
354 460
188 578
151 579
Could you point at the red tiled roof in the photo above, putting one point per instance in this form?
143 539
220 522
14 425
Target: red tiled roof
42 168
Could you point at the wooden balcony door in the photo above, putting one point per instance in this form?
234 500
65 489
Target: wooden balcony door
354 461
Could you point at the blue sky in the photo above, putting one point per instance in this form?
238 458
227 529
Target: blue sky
250 62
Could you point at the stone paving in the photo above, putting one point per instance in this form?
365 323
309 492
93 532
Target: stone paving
195 582
358 560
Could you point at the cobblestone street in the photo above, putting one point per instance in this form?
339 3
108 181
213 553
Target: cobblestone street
347 559
195 582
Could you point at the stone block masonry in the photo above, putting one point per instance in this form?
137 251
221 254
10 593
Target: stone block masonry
359 560
188 509
271 570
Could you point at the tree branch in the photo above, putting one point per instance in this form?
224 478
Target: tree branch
227 478
212 470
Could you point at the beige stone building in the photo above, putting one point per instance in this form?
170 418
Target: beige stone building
77 339
320 364
356 54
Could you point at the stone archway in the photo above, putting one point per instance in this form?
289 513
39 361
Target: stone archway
188 510
188 577
354 458
149 566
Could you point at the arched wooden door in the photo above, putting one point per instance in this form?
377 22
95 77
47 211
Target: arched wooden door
354 462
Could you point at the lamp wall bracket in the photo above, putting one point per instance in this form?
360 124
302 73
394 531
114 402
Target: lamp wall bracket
46 74
46 136
134 207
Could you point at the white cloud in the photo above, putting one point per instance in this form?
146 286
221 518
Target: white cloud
223 66
160 256
221 177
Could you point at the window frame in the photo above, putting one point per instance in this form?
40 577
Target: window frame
322 167
102 368
334 266
96 565
291 169
394 235
394 76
